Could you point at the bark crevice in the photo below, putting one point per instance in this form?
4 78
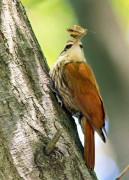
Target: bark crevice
29 112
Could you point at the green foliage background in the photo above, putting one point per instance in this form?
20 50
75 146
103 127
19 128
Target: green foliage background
122 10
49 20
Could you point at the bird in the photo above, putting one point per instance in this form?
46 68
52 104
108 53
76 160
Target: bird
76 84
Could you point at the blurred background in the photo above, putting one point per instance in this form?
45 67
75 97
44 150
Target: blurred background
107 52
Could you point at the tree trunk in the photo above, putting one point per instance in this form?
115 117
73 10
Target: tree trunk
29 113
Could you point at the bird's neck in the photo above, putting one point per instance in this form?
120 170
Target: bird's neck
76 55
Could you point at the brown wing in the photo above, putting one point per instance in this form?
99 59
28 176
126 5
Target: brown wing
84 89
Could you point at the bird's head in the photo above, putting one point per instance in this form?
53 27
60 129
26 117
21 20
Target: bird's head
73 51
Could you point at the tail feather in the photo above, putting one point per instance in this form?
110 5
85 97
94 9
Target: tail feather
89 144
101 134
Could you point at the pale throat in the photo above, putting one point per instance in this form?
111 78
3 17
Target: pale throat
76 54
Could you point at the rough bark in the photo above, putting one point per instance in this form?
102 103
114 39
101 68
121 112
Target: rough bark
29 113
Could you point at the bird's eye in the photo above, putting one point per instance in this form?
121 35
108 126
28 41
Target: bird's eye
81 46
68 46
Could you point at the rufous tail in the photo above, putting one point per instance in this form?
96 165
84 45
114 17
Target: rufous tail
89 143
